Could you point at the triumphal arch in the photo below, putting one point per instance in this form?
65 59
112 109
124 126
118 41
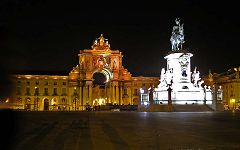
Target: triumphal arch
101 59
99 79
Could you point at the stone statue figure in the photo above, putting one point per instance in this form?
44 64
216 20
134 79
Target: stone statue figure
169 77
114 65
196 77
177 38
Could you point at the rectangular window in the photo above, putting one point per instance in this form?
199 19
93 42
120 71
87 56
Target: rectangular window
55 91
64 83
64 91
135 92
28 91
55 83
36 91
19 83
125 91
231 93
45 91
18 90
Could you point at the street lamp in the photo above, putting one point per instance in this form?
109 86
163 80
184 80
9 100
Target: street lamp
233 101
36 92
237 72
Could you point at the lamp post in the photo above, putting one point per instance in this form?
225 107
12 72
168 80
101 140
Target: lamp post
141 96
233 102
237 72
170 109
36 90
169 89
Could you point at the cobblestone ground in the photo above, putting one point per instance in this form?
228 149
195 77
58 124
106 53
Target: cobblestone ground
121 131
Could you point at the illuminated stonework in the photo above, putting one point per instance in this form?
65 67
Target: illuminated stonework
229 83
186 85
101 44
178 84
77 91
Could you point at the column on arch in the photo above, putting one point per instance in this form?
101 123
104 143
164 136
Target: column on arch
81 100
87 93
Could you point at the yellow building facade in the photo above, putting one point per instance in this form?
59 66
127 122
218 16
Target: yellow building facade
78 90
230 85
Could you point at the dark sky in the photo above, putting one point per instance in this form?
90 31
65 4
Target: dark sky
47 35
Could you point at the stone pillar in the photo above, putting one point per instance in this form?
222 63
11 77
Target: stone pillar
117 93
120 93
84 95
81 96
151 104
111 92
108 92
89 92
151 96
214 97
114 92
131 94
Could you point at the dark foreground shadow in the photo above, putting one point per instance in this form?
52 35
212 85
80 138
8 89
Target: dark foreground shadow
8 126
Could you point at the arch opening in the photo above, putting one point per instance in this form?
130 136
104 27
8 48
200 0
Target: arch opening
46 105
100 87
99 79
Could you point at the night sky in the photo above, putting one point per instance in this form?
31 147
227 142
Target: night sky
46 35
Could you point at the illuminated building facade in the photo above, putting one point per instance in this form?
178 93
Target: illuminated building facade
78 90
230 86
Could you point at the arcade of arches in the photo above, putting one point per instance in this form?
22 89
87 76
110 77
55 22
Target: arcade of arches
99 79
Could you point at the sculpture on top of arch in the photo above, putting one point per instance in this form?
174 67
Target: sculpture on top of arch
101 43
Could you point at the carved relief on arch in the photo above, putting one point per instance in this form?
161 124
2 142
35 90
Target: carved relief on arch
87 63
100 61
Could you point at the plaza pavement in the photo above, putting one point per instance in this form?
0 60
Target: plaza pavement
102 130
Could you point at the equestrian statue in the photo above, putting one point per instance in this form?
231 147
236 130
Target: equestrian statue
177 38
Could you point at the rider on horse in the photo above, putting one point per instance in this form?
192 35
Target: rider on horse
177 38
